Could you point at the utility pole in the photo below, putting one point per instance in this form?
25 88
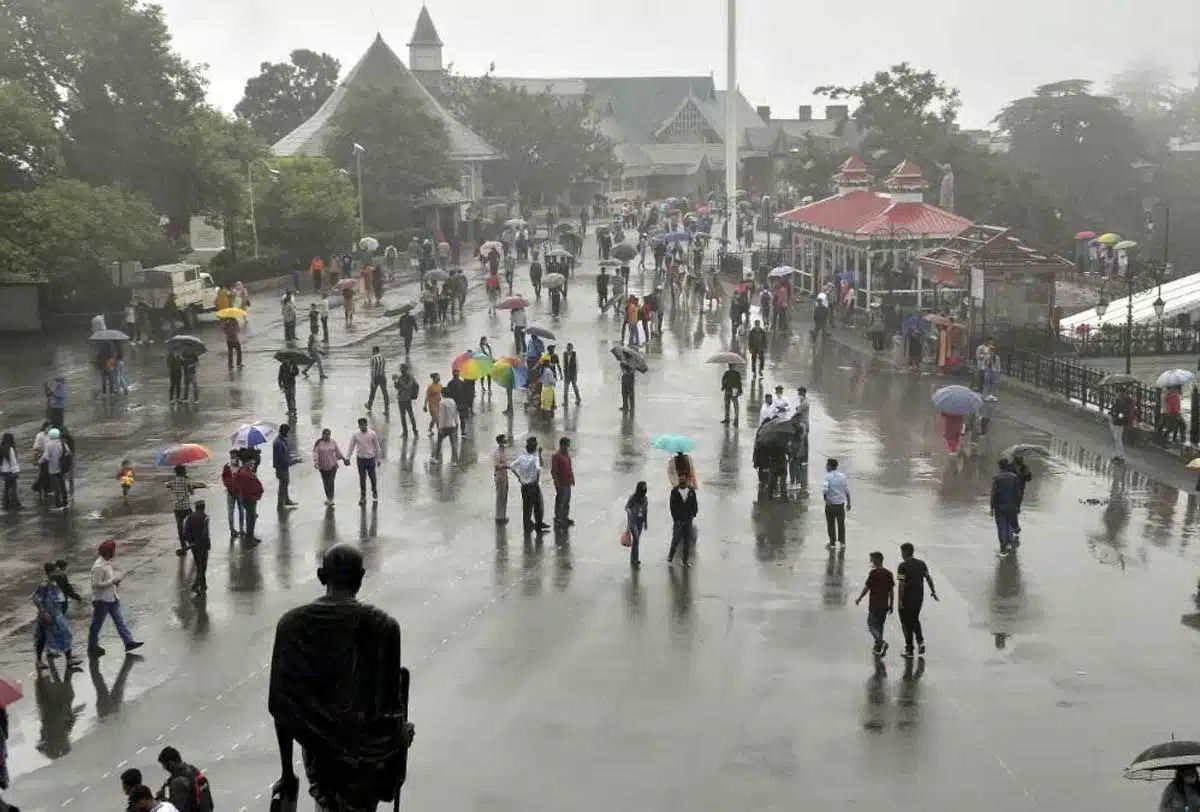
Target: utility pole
358 153
731 128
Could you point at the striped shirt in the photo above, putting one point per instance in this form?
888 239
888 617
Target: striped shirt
378 366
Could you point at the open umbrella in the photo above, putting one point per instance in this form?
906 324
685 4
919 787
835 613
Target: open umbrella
368 244
775 432
727 358
515 222
630 356
509 372
1085 235
183 454
1194 465
514 302
252 435
1126 245
436 275
1160 761
540 332
1174 377
1109 238
231 313
674 443
397 311
348 283
554 280
624 252
487 247
1024 450
782 271
560 253
296 356
564 228
602 229
610 263
1118 379
472 365
108 335
957 400
188 343
10 691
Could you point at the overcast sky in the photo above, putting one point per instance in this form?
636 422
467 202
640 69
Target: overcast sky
992 50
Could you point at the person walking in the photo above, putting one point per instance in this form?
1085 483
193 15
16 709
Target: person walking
282 462
1120 417
364 444
684 509
570 374
836 490
53 631
562 473
174 376
181 489
756 342
106 603
407 325
731 385
233 342
233 502
326 456
455 390
911 576
315 354
407 391
627 383
379 380
288 372
637 517
433 401
528 469
10 468
288 311
198 540
449 426
880 586
1005 502
250 491
500 472
602 289
323 314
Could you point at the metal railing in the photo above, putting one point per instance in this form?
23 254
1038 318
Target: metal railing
1147 340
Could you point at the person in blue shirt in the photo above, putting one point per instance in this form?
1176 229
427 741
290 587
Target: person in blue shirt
836 490
281 460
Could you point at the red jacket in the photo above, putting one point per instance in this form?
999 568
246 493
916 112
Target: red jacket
229 478
247 484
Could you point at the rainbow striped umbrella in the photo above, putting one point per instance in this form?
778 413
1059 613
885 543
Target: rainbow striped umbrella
472 365
509 372
183 454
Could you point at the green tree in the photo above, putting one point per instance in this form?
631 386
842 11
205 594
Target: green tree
285 94
308 208
811 166
29 147
404 152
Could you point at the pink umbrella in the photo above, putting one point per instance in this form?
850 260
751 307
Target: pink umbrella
513 303
10 692
347 283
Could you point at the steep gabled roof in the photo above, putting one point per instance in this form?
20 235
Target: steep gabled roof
425 33
381 67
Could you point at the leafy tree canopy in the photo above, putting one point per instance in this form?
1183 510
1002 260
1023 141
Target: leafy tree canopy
285 94
29 145
309 208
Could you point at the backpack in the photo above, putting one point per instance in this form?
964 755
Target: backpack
201 791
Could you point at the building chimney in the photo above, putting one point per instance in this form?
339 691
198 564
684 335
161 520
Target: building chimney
837 112
764 112
805 112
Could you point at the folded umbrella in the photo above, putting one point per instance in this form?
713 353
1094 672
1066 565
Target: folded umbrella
554 280
674 443
957 400
1174 377
632 357
252 435
189 343
10 691
624 252
183 454
1160 761
727 358
108 335
540 332
295 356
515 302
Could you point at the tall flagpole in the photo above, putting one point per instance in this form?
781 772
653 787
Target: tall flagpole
731 128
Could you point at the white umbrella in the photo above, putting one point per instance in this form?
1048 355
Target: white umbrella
782 271
368 244
1125 245
1174 377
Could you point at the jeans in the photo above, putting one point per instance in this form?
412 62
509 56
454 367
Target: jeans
756 362
233 503
731 407
835 523
562 504
180 516
532 506
289 397
11 498
910 623
875 623
635 533
327 480
366 468
519 338
501 477
1118 435
451 434
282 499
379 383
200 557
289 331
234 348
681 538
407 416
101 610
251 508
798 472
1006 521
325 329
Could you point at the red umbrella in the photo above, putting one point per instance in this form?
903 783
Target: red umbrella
513 303
1085 235
10 692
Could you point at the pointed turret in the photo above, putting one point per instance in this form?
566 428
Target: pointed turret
425 49
852 176
906 182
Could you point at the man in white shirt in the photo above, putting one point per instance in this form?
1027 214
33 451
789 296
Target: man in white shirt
836 490
782 407
767 411
528 467
105 602
366 443
448 427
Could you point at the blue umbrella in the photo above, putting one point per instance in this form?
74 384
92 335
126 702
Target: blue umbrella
252 435
675 443
957 400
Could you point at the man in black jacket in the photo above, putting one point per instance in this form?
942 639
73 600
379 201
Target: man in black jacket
570 373
731 385
456 390
683 515
407 325
756 342
1006 500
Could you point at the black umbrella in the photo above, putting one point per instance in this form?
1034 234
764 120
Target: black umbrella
540 332
776 432
187 344
624 252
632 357
397 311
1161 760
298 356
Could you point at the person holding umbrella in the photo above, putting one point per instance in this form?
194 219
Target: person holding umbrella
233 342
731 386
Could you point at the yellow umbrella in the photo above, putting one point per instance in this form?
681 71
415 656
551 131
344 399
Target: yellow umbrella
1109 238
231 313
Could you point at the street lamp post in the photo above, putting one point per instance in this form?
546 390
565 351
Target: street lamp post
358 153
250 186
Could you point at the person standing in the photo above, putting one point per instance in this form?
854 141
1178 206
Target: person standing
174 376
10 468
1120 416
189 362
448 425
198 540
433 401
627 382
56 400
233 502
1005 502
528 469
407 325
317 268
880 586
756 342
326 456
562 473
637 516
105 603
684 509
181 489
836 491
911 576
378 380
288 310
250 491
365 444
455 390
323 314
518 319
288 372
282 462
570 373
407 391
233 342
500 472
602 289
731 385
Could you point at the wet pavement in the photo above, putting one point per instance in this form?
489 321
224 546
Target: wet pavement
554 677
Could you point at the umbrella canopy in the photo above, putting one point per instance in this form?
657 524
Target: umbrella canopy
515 222
560 253
1085 235
540 332
10 691
515 302
436 275
727 358
1118 379
487 247
349 283
231 313
296 356
397 311
554 280
775 432
782 271
108 335
564 228
509 372
1126 245
602 229
188 343
1174 377
632 357
624 252
1161 760
252 435
473 365
1109 239
675 443
1024 450
183 454
957 400
369 244
610 263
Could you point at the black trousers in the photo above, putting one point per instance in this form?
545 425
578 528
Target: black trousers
532 506
835 523
910 623
756 362
175 388
627 394
251 518
379 383
731 407
407 416
234 348
200 557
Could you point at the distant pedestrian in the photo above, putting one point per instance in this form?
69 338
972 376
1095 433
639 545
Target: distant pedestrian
250 491
365 445
627 387
233 342
174 376
836 491
731 386
52 631
282 462
570 374
315 354
449 425
181 489
326 456
880 586
1005 502
323 314
1024 476
756 342
637 517
233 502
407 325
407 391
528 468
500 473
288 372
288 310
105 603
1120 416
562 473
485 347
379 381
684 509
10 468
196 535
911 576
433 401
